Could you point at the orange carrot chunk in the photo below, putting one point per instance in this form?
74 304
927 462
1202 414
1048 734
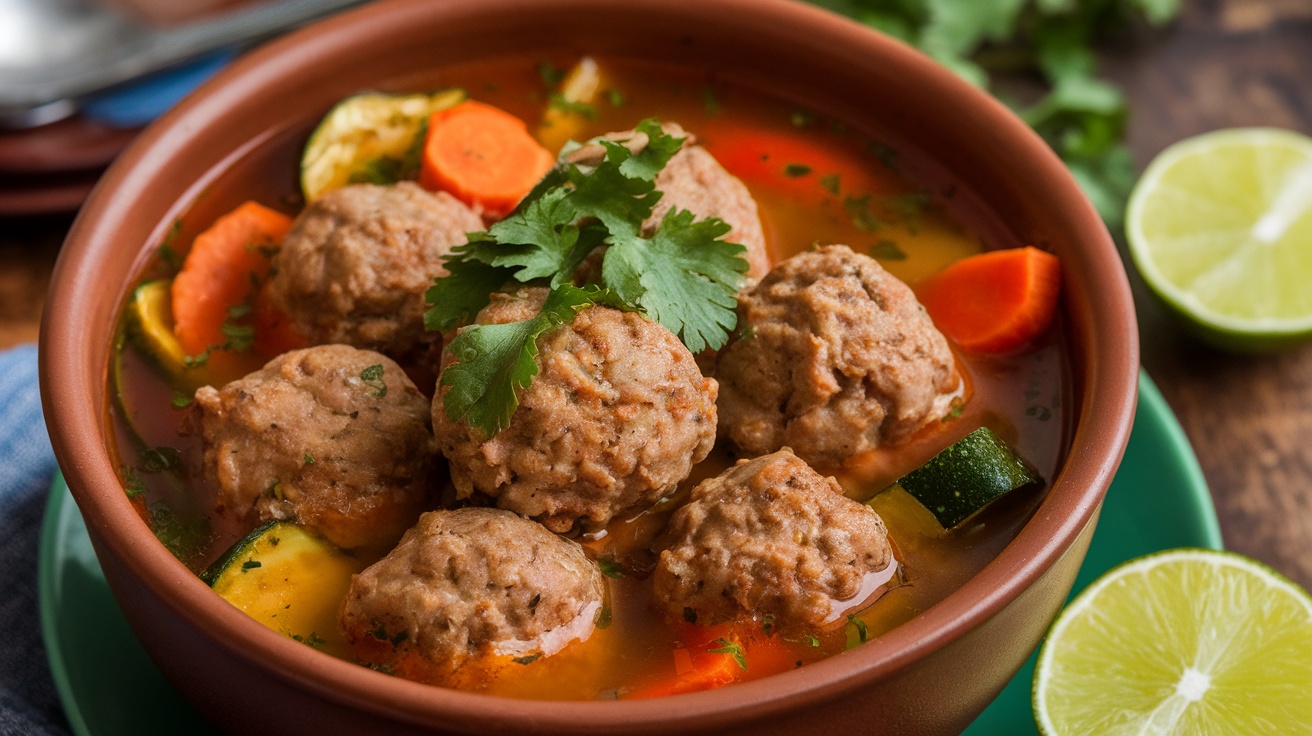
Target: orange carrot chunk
696 668
483 156
219 272
995 302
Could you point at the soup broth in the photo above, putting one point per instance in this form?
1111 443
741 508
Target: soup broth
872 205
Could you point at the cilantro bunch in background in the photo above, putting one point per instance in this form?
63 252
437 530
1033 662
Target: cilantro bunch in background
1081 116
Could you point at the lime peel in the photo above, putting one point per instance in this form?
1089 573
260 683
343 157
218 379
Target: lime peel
1179 642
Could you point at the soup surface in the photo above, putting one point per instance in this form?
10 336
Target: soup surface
816 181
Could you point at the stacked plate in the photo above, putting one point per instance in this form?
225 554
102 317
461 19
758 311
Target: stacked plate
52 168
78 79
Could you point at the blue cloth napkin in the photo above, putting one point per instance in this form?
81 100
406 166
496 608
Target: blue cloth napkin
28 701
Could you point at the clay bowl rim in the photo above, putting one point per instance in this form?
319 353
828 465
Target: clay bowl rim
73 387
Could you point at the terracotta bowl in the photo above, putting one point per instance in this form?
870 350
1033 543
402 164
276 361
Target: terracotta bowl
933 674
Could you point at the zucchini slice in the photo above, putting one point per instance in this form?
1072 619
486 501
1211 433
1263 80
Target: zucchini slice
971 473
289 580
370 137
149 325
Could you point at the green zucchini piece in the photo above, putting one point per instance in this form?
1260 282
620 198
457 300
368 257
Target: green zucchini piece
371 137
971 473
149 325
289 580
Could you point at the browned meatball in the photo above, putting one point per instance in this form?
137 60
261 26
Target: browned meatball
770 537
331 436
357 261
834 356
616 417
693 180
469 583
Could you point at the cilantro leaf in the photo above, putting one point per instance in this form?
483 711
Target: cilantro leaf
497 362
462 292
661 147
619 201
683 277
542 240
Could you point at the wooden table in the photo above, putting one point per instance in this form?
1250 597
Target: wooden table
1224 63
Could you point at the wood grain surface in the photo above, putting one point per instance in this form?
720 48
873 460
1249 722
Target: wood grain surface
1224 63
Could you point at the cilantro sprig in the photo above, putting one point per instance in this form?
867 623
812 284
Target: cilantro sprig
684 275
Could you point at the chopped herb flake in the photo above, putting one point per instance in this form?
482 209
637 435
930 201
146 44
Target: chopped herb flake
886 154
251 565
614 97
159 459
710 102
809 640
240 337
529 659
181 400
561 103
309 459
858 208
731 648
167 251
373 378
132 484
888 250
610 567
313 640
794 171
550 74
831 183
859 628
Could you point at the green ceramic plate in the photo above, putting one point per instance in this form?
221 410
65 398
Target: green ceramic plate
109 687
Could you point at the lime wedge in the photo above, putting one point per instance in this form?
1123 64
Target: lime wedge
1220 225
1187 641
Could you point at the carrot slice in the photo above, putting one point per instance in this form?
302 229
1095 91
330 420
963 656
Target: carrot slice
995 302
218 274
708 659
483 156
695 667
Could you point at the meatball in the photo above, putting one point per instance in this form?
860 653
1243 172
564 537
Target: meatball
770 537
469 583
693 180
616 417
334 437
834 357
357 261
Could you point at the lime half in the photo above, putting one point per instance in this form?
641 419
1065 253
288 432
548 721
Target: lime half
1220 227
1189 641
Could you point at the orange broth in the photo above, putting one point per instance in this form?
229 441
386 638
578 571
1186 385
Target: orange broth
871 206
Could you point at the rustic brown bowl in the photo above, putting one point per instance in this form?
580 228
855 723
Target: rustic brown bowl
933 674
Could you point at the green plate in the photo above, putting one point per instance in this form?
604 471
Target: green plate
110 687
1158 500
